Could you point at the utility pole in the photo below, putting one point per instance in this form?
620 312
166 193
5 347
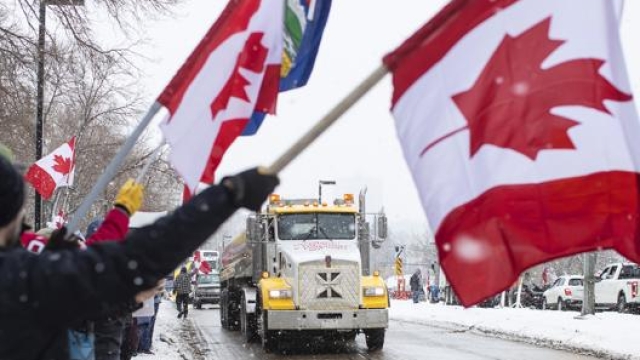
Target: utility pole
589 297
40 103
42 19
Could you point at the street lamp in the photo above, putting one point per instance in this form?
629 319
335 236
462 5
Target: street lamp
40 87
320 183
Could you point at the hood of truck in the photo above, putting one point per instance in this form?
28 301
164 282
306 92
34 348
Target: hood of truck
299 251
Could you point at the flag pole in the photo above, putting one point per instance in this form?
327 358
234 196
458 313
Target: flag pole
111 169
150 160
328 120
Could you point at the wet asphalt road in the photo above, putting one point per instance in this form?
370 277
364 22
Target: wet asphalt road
404 341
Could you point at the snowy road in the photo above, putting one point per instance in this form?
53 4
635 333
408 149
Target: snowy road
405 341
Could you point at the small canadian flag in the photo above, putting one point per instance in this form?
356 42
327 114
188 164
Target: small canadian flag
54 170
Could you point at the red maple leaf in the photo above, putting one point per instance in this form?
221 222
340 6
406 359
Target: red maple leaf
62 164
510 104
252 57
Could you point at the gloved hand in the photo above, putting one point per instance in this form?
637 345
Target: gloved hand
250 188
130 196
59 240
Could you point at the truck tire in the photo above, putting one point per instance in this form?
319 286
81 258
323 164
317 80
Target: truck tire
247 323
233 312
621 305
224 315
374 339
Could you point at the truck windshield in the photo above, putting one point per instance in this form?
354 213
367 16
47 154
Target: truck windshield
208 279
310 226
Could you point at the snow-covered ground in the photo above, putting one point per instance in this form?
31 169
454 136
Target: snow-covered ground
607 334
168 337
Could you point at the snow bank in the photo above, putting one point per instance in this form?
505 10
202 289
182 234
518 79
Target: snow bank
606 334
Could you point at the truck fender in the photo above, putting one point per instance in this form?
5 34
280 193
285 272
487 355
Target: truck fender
250 295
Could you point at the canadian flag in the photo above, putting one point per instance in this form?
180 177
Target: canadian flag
517 122
232 72
54 170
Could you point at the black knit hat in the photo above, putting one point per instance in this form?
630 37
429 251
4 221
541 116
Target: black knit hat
11 192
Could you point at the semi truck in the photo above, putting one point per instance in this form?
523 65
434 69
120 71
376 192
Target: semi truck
301 271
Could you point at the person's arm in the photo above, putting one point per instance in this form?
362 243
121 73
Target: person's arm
68 285
113 228
116 223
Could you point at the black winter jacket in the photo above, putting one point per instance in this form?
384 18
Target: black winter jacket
43 295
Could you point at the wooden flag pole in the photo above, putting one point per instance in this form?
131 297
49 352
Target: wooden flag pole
328 120
111 169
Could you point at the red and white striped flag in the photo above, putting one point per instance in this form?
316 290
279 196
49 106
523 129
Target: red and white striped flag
517 122
232 72
54 170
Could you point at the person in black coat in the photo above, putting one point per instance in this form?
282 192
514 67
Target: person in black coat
416 285
43 295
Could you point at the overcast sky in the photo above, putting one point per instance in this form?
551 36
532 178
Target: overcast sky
362 148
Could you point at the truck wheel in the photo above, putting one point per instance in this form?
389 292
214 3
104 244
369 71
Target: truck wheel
247 323
224 316
374 338
621 306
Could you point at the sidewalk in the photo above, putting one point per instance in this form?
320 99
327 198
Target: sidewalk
168 336
607 334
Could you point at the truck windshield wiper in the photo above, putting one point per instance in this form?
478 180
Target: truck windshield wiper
324 233
308 235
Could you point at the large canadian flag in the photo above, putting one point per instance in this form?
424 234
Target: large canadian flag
54 170
232 72
517 121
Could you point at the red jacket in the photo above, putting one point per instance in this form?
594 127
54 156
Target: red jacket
33 242
113 228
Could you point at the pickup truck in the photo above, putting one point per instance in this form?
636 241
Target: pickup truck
617 287
206 290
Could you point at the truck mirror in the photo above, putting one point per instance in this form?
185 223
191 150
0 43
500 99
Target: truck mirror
382 227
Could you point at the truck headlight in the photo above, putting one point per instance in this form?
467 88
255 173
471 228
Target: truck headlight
374 291
280 294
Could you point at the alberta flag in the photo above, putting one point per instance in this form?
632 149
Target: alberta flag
304 22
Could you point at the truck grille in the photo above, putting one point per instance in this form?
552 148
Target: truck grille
323 288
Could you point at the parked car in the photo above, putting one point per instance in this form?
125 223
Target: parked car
617 287
565 293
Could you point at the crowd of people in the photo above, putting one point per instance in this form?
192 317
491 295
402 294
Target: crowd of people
74 296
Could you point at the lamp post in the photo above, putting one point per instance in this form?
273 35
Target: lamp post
42 18
320 183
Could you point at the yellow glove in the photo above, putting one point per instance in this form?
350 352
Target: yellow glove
130 196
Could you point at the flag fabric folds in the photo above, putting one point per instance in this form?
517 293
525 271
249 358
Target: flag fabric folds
517 122
304 24
231 73
54 170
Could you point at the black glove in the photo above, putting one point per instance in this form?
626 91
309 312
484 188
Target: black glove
60 241
250 188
